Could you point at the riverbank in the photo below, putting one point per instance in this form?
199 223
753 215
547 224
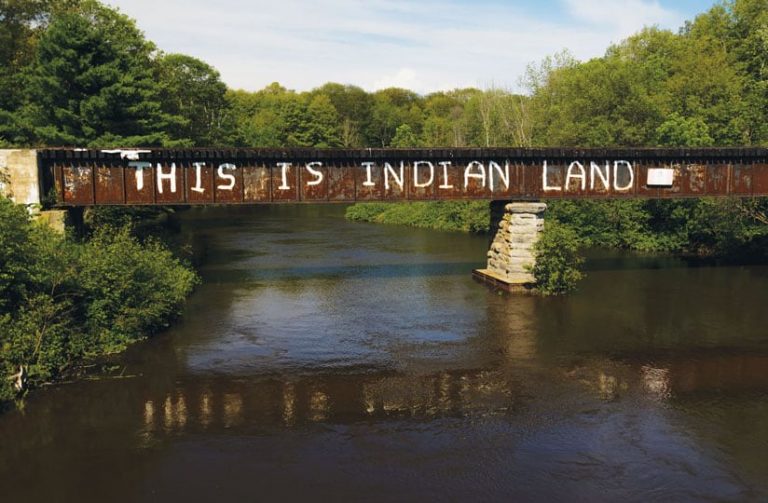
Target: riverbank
731 230
728 229
67 301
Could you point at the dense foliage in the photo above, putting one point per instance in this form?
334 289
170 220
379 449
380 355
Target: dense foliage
557 268
63 301
79 72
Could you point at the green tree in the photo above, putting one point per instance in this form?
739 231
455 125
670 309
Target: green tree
278 117
21 22
392 108
92 83
63 301
192 90
15 250
320 127
258 117
443 124
404 137
678 131
353 106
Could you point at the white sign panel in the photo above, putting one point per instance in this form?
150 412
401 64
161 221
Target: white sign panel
660 177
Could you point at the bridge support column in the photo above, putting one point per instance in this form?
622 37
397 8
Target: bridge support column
20 176
515 229
21 182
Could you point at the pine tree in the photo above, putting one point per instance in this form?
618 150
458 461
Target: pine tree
92 83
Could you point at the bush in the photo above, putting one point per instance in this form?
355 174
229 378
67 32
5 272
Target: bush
132 289
63 302
558 262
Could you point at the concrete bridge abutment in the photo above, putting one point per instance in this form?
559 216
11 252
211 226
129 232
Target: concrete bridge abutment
21 182
515 230
20 176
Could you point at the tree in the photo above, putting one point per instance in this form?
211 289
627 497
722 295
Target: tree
321 125
404 137
391 108
557 268
192 90
92 83
678 131
277 117
748 42
353 106
21 22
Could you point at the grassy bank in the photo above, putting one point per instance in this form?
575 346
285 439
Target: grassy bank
729 229
466 216
64 301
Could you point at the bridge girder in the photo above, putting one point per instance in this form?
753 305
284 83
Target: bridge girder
82 177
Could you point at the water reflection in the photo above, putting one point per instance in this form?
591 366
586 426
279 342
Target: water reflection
270 402
273 402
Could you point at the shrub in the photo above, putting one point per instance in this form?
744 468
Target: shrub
132 289
62 301
557 268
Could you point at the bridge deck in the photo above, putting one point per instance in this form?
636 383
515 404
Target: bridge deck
83 177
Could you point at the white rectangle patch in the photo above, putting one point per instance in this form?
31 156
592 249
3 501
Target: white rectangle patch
660 177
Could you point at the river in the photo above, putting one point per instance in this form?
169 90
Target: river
329 360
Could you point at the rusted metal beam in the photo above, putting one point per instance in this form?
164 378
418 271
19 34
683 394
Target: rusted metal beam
257 176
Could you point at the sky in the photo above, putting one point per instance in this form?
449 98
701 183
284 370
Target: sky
425 45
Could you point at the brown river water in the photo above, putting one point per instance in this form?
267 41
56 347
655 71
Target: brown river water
325 360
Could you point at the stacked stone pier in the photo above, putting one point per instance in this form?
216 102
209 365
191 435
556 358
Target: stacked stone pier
515 229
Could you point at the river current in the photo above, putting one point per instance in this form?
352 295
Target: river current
328 360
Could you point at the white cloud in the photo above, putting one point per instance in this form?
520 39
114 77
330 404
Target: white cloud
426 46
623 17
405 78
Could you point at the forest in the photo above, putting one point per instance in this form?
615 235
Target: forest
80 73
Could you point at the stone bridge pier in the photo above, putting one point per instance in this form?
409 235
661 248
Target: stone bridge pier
515 229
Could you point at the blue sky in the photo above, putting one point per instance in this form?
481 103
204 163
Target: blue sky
425 45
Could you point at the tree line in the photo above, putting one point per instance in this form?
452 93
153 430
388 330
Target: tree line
76 72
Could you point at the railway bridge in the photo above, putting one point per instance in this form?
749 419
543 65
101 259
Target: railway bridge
517 181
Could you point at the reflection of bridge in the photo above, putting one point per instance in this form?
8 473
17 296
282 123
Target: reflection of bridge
204 176
335 398
345 398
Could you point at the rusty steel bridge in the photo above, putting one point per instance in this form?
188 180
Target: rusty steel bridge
88 177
